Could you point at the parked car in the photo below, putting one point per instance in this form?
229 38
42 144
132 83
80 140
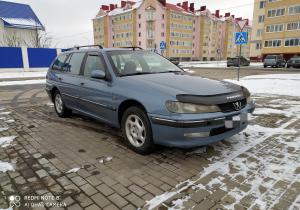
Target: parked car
149 98
294 62
276 61
235 61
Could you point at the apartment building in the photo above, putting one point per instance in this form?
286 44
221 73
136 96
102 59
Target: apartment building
189 34
276 28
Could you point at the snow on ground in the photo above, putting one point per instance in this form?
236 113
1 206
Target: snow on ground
3 129
280 84
243 155
23 82
5 113
212 64
13 75
6 141
105 159
73 170
4 166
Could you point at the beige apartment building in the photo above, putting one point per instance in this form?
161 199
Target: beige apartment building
189 34
276 28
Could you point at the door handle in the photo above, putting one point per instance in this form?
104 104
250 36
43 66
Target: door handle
59 78
82 83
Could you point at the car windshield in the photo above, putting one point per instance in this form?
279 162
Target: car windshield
133 62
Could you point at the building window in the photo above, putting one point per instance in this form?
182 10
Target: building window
140 16
262 4
163 16
162 34
261 18
294 10
273 43
276 12
293 26
139 25
140 34
162 25
258 46
259 32
292 42
140 43
274 28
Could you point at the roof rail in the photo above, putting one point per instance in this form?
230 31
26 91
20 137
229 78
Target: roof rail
133 48
78 47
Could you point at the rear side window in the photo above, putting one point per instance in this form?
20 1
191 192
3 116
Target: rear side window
59 62
73 63
93 62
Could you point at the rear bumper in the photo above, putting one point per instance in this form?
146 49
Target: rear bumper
193 133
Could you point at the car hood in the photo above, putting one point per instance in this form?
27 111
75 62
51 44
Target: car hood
184 83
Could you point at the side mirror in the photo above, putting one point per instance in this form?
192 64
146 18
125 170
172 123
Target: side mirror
98 74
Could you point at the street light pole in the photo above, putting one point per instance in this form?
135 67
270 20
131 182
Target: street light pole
239 62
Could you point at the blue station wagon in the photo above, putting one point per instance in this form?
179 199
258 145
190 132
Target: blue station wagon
145 95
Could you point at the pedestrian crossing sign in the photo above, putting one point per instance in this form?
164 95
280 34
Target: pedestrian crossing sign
241 38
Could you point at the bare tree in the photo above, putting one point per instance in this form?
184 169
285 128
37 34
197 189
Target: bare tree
40 39
11 40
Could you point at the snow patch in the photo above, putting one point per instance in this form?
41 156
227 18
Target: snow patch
10 121
5 113
4 166
280 84
3 129
23 82
73 170
105 159
13 75
6 141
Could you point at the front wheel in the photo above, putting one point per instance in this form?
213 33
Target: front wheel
136 129
59 105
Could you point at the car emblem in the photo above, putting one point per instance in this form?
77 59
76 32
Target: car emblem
237 105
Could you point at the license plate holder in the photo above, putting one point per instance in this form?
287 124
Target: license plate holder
236 120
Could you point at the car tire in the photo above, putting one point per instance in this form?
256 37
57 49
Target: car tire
265 66
137 131
59 105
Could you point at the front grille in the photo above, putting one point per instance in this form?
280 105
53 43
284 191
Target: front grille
230 107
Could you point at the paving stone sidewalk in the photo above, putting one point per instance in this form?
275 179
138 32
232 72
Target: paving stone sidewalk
110 176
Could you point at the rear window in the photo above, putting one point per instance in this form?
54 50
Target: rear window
295 59
74 62
271 57
59 62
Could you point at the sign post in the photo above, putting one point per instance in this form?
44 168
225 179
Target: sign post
162 46
241 38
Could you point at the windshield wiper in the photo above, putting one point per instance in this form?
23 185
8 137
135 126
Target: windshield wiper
171 71
137 73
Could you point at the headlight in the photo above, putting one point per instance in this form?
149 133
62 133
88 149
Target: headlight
187 108
247 94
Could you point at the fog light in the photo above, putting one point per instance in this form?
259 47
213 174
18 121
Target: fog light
197 135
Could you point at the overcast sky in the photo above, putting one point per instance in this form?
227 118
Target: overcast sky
69 22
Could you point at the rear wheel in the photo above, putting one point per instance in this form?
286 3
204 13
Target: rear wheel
59 105
136 129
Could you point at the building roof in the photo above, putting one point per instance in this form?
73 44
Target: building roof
17 15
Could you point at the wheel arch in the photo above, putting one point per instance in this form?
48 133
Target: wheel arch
53 90
125 105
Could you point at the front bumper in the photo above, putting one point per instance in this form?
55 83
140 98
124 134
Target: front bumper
192 133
